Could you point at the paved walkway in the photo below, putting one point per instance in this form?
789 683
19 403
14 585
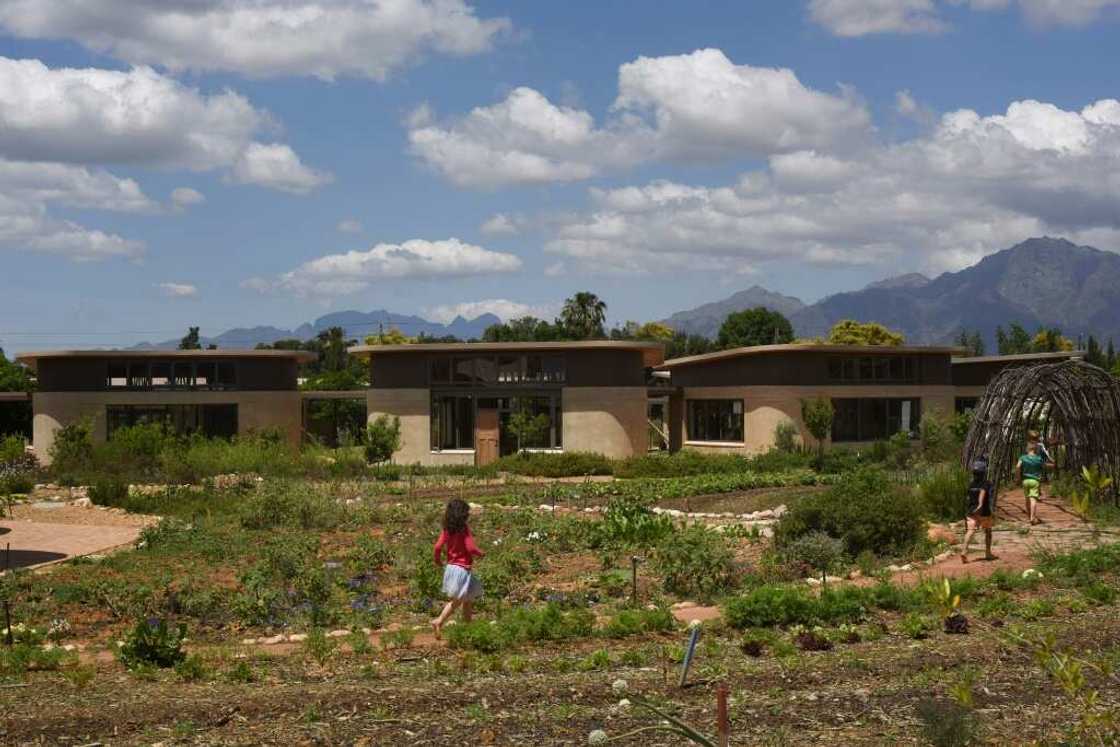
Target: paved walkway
34 543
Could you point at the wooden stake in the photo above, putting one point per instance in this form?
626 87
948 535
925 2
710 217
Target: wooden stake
723 724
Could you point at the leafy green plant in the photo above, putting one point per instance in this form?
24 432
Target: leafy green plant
864 509
695 561
818 414
383 439
629 521
108 491
1094 485
947 723
816 551
153 643
942 493
916 626
633 622
949 608
787 436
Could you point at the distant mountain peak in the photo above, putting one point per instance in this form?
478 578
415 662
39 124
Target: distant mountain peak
707 318
909 280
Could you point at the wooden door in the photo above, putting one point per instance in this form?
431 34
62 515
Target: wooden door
486 437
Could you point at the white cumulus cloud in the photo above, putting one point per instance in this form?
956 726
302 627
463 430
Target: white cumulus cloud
939 201
354 271
137 117
184 197
501 224
502 308
262 38
178 290
864 17
278 167
28 189
698 106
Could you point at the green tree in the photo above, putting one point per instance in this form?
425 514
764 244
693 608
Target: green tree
1050 340
971 341
583 316
1110 356
383 439
191 340
851 332
524 329
1015 341
683 345
1094 354
527 428
757 326
392 337
818 414
15 417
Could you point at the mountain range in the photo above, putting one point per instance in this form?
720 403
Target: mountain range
1040 282
356 324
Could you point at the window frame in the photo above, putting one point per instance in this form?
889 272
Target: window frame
706 408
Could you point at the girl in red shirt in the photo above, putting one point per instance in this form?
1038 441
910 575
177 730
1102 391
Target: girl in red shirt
460 585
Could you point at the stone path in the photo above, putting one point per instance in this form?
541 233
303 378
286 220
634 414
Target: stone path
34 543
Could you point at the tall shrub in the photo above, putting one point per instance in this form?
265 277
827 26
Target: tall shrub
818 414
865 510
383 439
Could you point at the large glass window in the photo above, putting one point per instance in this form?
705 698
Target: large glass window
212 421
874 418
452 422
497 370
546 407
873 368
718 420
168 374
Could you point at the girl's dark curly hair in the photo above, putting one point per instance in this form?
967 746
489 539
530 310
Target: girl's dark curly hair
455 516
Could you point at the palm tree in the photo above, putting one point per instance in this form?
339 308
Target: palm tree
583 316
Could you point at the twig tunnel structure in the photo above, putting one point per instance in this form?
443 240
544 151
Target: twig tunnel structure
1072 404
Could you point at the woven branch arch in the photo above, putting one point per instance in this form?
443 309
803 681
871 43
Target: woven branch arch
1072 403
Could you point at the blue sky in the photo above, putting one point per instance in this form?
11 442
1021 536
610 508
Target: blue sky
224 163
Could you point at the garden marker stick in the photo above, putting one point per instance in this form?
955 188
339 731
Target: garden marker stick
634 560
723 727
693 639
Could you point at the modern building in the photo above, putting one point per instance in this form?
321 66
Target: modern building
214 392
455 401
972 375
732 401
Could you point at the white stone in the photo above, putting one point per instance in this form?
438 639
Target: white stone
338 634
297 637
546 507
272 640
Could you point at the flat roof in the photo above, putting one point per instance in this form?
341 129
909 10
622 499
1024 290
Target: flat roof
1061 355
653 353
32 358
809 347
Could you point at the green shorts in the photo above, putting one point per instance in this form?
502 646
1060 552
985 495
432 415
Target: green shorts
1032 488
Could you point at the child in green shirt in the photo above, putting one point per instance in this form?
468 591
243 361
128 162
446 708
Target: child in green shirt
1032 466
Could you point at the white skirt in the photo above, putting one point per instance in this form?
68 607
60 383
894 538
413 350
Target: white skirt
459 583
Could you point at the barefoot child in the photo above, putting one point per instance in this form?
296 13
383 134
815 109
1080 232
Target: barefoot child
459 585
978 511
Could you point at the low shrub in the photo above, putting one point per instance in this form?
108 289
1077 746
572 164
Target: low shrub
153 643
383 439
633 622
72 450
916 625
946 723
816 551
943 492
524 624
279 503
680 464
768 606
108 491
695 561
555 464
864 509
629 521
26 657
